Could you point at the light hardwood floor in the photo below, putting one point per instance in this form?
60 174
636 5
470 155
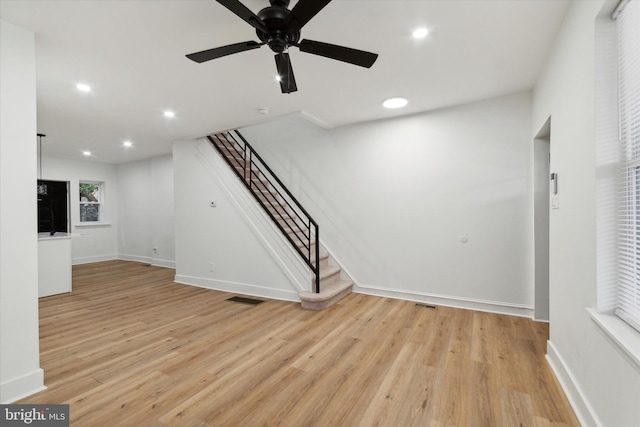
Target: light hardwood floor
131 348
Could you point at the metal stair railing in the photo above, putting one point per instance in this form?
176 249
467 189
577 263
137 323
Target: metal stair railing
300 229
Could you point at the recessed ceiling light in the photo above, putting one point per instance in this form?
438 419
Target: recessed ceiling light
420 33
169 114
127 143
83 87
86 153
395 102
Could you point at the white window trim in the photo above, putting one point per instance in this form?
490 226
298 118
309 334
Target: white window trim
101 202
93 224
623 337
628 307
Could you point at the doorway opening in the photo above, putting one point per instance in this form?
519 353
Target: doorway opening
541 171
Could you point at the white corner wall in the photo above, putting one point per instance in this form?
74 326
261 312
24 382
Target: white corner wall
602 384
20 373
394 198
89 243
146 212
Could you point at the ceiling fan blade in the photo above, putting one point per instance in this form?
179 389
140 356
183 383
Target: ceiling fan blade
341 53
303 11
285 73
243 12
217 52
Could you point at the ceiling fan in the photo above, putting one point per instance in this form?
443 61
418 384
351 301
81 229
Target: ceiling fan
279 28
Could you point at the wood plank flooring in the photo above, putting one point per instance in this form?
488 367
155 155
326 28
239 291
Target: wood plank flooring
131 348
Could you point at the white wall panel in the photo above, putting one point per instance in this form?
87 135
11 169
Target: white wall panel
20 372
604 386
394 197
145 211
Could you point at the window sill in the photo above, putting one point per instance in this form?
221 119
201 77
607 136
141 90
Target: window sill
93 224
625 339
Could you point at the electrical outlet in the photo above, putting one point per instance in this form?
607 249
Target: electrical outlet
212 266
155 249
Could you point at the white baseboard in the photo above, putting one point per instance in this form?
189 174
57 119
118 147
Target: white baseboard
574 393
124 257
135 258
148 260
448 301
239 288
163 263
97 258
21 387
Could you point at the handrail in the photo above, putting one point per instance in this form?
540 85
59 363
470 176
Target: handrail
244 157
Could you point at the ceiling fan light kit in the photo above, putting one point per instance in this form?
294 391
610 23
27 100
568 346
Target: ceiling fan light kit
279 28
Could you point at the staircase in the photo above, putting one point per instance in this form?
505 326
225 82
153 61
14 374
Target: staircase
296 225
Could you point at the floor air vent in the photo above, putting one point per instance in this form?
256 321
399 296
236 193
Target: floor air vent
430 307
245 300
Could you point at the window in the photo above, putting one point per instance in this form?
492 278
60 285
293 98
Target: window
53 206
628 305
91 201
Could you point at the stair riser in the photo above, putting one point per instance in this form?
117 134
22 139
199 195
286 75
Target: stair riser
324 281
290 223
276 209
301 243
270 199
324 262
310 301
229 149
303 248
260 183
231 152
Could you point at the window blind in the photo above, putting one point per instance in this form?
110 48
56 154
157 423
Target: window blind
629 118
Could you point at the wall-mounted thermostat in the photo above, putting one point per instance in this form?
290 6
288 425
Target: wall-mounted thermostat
554 183
555 199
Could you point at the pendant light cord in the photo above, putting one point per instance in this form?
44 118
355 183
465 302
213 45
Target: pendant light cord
40 135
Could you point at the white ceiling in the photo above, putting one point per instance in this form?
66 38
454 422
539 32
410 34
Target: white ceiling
132 54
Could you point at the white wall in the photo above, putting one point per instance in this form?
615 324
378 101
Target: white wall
247 255
145 211
603 385
541 195
96 242
394 197
20 372
138 206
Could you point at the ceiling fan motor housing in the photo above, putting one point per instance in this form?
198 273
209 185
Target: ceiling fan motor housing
278 37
